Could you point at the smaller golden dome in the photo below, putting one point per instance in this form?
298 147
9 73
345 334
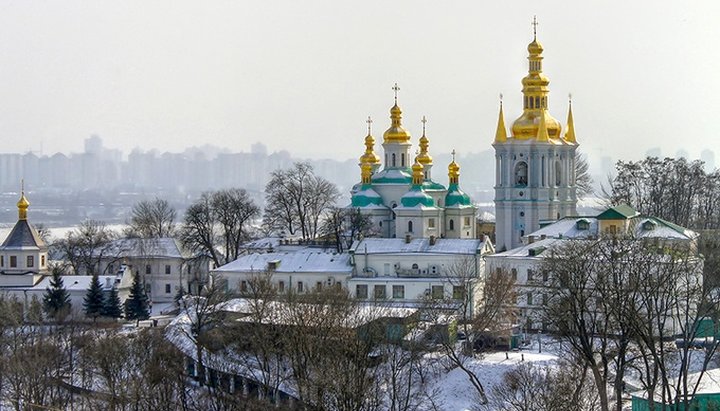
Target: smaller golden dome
365 173
424 158
22 206
370 157
453 170
417 172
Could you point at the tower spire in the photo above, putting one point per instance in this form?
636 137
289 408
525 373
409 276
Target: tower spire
570 133
501 132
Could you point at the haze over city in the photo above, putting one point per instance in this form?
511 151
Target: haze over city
292 74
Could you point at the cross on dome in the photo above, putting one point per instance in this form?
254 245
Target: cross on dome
369 123
424 120
396 89
534 24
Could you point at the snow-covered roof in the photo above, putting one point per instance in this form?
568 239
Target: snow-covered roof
536 248
146 248
77 282
304 260
417 245
641 226
709 383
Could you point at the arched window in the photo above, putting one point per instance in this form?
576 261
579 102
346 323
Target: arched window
415 266
393 159
521 174
558 173
452 224
410 227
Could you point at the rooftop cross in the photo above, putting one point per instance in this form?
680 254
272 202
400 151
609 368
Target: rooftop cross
453 154
396 89
369 123
534 24
424 120
570 98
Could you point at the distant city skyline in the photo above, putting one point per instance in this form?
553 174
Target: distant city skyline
304 76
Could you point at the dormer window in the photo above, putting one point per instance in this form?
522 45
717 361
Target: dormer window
273 265
649 225
582 224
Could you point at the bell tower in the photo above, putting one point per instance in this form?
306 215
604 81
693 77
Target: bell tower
535 165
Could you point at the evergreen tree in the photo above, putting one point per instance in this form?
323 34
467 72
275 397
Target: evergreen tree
35 311
56 301
112 307
136 306
93 302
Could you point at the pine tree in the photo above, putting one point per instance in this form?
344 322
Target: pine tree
93 302
136 306
112 307
56 301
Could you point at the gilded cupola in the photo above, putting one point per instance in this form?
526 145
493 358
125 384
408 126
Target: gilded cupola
370 157
535 98
424 157
396 133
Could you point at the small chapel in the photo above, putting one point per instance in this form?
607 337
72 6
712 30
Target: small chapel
399 193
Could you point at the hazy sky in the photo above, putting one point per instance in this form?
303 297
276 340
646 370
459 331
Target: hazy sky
304 75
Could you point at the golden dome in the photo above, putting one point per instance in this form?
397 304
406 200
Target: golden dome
365 173
417 172
396 133
453 172
535 47
535 100
424 158
370 157
22 206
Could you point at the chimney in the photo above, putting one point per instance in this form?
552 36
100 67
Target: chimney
432 240
542 237
408 237
531 239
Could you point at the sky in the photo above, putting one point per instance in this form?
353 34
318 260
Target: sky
304 75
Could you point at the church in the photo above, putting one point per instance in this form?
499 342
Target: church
534 164
399 194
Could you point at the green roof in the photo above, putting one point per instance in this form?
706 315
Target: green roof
393 176
366 196
417 197
431 185
456 197
619 212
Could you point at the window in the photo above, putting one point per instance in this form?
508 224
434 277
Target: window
243 286
393 159
452 225
13 261
521 174
318 285
402 159
513 274
431 223
398 291
148 269
2 261
529 299
167 289
438 292
281 286
300 286
558 173
529 274
361 291
458 292
386 269
42 261
379 292
466 222
415 266
167 269
30 261
410 227
433 269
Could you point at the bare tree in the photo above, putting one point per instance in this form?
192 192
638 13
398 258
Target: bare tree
88 245
152 219
583 180
344 225
218 219
297 199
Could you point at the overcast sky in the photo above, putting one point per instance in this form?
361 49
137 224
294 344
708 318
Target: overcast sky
304 75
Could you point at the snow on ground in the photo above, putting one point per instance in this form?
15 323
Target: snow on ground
454 391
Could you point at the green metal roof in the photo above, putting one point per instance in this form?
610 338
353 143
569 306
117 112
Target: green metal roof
456 197
619 212
417 197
